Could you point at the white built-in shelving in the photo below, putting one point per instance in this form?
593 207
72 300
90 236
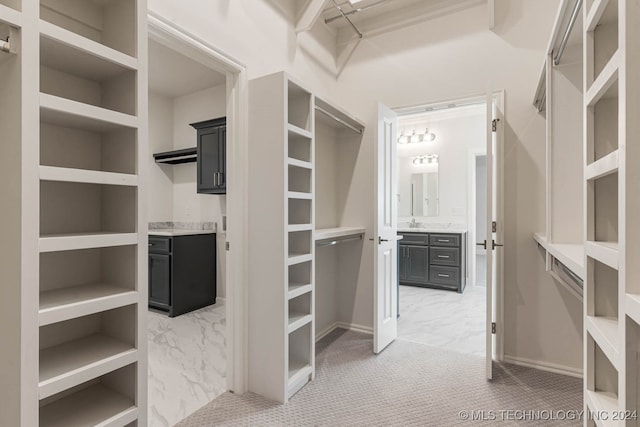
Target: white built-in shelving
611 155
77 85
282 289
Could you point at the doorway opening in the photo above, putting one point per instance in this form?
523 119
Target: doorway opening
192 84
442 198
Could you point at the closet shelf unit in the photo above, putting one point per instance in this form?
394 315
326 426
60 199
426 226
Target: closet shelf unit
78 71
559 98
338 233
611 153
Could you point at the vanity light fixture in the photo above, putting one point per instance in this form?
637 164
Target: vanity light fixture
425 159
416 137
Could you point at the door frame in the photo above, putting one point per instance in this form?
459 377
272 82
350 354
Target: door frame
498 97
179 39
472 200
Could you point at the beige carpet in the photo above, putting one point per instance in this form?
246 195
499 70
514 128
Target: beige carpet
409 384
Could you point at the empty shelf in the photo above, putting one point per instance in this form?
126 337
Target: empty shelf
632 304
603 167
177 157
69 242
298 320
299 227
605 81
75 362
92 406
76 301
299 163
10 16
298 370
298 195
51 173
299 258
602 402
605 252
297 289
73 114
605 332
293 129
338 232
82 54
336 118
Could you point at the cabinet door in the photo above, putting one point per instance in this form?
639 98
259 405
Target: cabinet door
402 263
160 280
208 159
222 160
417 264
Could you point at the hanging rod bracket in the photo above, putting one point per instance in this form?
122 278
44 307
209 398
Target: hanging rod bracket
337 6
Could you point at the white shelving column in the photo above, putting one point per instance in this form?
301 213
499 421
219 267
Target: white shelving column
77 226
282 248
612 209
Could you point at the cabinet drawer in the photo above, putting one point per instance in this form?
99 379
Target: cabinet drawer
448 276
444 256
444 240
160 244
414 239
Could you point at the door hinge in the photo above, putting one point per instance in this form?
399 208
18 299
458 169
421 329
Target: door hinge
494 226
493 327
226 245
494 125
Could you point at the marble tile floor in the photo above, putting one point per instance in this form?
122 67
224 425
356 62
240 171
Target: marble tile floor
444 319
187 363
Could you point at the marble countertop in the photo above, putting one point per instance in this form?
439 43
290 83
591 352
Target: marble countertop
178 232
431 230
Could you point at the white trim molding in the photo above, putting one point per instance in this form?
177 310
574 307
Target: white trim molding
544 366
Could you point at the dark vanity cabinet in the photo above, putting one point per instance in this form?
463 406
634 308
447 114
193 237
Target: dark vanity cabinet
182 272
432 260
212 156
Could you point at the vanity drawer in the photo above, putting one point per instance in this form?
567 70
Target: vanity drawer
447 276
414 239
158 244
444 256
444 240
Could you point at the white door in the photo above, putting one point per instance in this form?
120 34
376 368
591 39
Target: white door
385 232
495 225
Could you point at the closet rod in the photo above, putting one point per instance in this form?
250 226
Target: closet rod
567 33
339 120
347 18
351 12
337 241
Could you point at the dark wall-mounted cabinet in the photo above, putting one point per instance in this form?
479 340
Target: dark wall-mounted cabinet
433 260
182 272
212 156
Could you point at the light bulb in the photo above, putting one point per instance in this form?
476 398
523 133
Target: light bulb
415 137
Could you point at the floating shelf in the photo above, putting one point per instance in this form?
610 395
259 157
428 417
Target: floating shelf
92 406
605 252
75 362
296 131
605 332
297 289
52 173
177 157
605 166
338 232
298 320
76 301
94 56
68 113
69 242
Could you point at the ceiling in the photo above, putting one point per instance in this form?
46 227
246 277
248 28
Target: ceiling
172 74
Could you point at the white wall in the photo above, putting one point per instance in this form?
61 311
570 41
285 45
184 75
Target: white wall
160 184
456 56
456 136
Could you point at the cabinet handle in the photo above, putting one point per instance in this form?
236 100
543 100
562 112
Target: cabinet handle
443 256
443 240
443 275
215 179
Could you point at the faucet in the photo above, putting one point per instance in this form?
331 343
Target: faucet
413 223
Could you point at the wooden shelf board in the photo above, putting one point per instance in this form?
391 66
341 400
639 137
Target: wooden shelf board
605 332
338 232
297 370
299 163
596 15
10 16
299 195
298 258
80 55
91 406
52 173
76 301
297 289
570 254
75 362
345 121
299 227
298 320
632 304
605 252
605 166
602 402
605 85
68 113
298 132
73 241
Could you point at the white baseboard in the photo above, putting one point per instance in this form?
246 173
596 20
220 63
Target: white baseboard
544 366
222 300
342 325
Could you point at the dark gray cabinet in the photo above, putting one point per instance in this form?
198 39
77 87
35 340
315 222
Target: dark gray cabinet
211 147
182 272
432 260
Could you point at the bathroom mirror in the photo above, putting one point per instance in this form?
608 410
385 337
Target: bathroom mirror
418 192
